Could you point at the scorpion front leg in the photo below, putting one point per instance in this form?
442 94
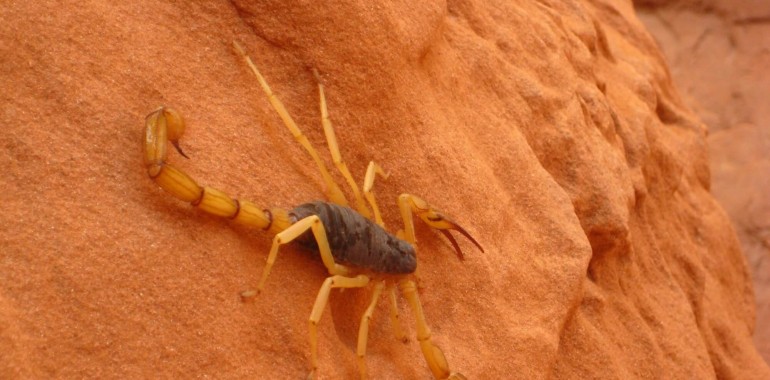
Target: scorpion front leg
166 125
322 299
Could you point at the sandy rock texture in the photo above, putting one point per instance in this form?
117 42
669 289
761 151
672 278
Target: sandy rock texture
551 130
719 52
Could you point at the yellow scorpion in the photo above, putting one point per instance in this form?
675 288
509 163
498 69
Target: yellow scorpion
354 248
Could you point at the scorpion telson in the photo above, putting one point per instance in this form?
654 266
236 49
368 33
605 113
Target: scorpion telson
352 244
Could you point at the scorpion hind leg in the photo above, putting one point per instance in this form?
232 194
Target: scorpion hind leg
333 190
371 170
334 150
312 223
334 281
363 330
409 204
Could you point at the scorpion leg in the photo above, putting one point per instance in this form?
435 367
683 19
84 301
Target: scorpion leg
369 193
334 192
313 223
409 204
166 125
395 320
433 355
363 330
331 141
336 281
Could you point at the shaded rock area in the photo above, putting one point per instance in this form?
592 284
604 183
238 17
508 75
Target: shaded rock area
551 130
719 52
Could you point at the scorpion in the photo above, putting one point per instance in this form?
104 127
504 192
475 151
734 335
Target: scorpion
353 244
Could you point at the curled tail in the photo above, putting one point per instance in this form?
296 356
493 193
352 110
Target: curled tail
166 125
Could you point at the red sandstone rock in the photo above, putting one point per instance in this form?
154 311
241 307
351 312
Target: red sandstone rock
718 56
551 131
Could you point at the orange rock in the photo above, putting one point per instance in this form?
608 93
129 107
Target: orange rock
717 52
553 133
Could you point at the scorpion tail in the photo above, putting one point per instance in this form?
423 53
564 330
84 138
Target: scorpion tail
166 125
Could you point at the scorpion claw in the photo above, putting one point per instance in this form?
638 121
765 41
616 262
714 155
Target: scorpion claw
454 244
444 225
431 217
462 231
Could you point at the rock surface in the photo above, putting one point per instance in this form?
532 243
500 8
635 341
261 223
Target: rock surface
718 54
550 130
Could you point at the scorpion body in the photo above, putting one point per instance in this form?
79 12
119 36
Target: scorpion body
357 241
352 244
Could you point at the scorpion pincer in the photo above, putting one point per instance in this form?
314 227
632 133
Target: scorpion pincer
353 244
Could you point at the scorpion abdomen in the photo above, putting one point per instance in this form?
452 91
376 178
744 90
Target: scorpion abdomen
357 241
